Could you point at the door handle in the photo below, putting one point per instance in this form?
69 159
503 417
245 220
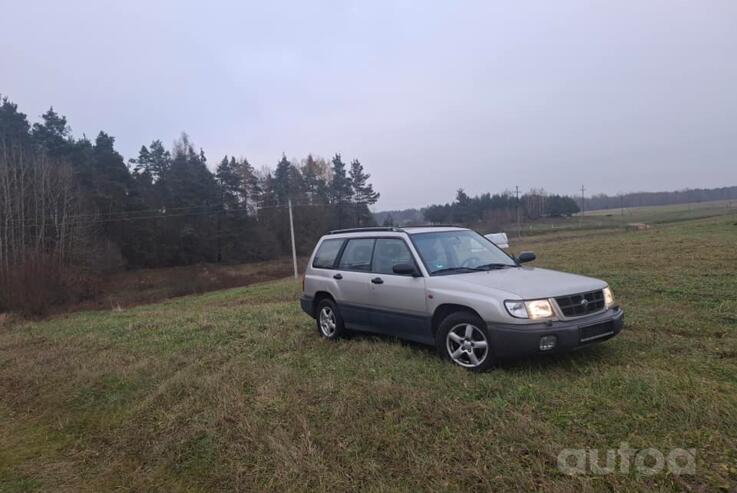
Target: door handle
338 276
377 280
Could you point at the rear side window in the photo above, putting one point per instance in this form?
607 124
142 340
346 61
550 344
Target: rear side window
357 255
327 253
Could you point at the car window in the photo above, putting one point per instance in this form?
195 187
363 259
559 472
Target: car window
357 255
463 249
433 253
390 251
326 254
468 247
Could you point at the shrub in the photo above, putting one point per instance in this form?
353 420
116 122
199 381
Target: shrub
38 282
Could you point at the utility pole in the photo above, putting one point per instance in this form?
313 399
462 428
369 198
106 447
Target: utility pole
583 201
542 202
291 230
519 226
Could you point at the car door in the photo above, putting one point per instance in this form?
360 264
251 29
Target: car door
399 305
353 277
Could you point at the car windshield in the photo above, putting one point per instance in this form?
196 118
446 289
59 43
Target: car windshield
454 252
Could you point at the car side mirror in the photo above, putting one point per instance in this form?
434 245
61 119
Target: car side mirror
526 257
405 270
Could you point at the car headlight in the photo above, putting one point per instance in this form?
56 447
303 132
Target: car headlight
533 310
516 308
608 297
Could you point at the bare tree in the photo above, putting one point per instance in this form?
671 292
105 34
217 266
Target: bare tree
39 210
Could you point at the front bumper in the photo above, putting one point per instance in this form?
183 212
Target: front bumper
514 340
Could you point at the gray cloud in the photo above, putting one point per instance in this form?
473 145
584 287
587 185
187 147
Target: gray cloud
430 96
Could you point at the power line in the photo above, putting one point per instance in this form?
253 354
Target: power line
166 211
219 209
122 215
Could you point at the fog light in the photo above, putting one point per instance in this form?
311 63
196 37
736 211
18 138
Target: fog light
547 343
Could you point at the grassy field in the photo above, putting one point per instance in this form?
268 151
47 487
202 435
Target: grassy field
668 213
235 390
618 219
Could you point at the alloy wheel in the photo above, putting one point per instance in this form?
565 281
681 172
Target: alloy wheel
328 324
467 345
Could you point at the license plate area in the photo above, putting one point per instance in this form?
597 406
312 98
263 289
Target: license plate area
589 333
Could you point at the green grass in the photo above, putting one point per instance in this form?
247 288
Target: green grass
670 213
606 220
235 390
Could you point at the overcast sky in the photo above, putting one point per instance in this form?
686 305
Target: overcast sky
430 96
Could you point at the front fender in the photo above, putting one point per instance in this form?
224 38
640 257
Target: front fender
489 305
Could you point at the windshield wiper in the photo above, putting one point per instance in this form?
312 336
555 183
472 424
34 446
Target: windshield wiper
493 266
448 270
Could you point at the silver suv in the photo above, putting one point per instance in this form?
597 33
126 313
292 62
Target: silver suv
452 288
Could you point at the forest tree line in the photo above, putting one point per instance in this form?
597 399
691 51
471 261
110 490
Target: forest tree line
499 210
648 199
72 207
487 210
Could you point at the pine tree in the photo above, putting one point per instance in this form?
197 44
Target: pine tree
315 185
363 193
191 199
110 175
281 180
14 127
230 183
53 134
140 166
340 191
250 187
154 162
267 197
160 160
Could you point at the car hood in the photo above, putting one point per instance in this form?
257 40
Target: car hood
526 282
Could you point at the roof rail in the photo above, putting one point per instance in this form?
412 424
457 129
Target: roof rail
366 230
434 226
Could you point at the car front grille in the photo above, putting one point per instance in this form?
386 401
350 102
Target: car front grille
577 305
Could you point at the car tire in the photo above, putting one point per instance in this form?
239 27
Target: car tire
329 322
463 339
